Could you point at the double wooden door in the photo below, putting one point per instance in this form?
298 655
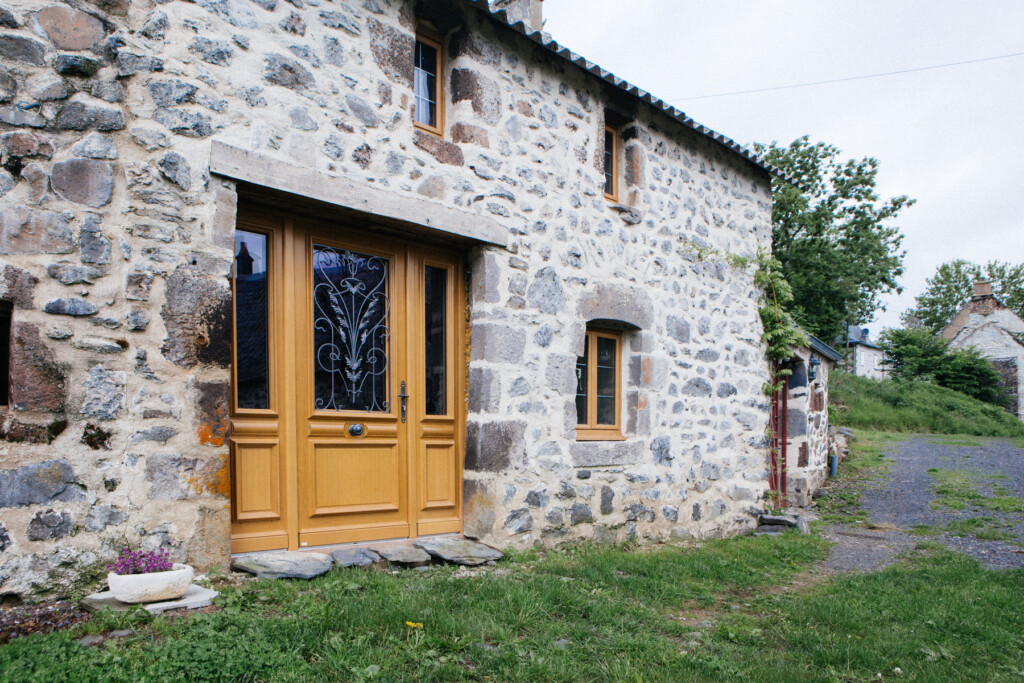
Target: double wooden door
347 416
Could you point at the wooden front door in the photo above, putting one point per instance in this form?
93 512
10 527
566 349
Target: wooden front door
346 422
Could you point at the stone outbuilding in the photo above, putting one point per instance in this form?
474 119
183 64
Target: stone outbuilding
285 275
988 325
809 437
864 358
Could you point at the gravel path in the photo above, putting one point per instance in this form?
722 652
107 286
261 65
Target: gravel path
901 500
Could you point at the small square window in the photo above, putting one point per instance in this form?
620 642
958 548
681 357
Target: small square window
5 352
599 387
428 84
611 163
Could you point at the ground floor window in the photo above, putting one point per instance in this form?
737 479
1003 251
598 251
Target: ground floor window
599 386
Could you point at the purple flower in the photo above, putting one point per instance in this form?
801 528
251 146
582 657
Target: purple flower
138 562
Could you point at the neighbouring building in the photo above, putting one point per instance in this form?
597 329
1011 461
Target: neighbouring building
863 357
986 324
287 275
809 438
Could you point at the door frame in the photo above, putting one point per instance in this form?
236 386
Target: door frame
290 321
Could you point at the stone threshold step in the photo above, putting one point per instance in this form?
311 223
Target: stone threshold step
420 552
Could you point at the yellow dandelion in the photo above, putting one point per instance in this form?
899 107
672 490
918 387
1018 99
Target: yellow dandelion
414 624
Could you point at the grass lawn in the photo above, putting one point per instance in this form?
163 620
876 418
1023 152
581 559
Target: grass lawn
715 613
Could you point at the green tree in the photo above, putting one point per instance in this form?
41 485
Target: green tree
833 235
913 353
953 284
919 354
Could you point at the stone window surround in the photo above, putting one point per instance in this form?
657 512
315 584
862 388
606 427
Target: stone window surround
634 411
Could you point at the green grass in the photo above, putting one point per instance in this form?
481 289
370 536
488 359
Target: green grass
865 463
918 407
984 528
714 613
938 616
960 489
609 608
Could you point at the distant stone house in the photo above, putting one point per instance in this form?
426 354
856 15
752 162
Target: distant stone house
291 275
986 324
863 357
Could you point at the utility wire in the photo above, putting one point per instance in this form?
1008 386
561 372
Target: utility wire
851 78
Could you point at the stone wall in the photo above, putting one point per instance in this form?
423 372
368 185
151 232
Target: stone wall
115 251
810 439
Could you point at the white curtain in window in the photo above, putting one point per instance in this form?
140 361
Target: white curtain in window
423 107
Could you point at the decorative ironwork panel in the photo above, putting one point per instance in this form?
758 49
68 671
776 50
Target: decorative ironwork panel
350 330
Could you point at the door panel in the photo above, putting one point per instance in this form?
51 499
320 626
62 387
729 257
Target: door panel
257 483
352 323
437 475
350 359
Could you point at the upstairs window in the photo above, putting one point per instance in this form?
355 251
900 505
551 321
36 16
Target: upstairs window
5 352
611 165
428 84
599 387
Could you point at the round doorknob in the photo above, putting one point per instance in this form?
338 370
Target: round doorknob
356 430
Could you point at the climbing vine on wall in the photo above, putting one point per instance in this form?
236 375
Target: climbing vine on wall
782 335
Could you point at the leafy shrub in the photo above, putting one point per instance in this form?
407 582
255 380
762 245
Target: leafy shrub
918 354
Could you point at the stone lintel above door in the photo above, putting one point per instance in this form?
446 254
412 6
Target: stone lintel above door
266 171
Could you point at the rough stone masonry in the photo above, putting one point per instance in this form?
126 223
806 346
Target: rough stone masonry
116 245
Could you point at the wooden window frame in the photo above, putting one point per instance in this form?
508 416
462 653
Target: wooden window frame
614 196
589 429
6 332
433 39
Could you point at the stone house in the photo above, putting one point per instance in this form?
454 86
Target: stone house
864 357
809 437
298 274
986 324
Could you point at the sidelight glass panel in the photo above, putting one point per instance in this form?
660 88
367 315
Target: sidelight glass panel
350 330
581 386
606 355
252 361
425 84
435 289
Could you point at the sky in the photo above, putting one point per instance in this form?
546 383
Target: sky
951 138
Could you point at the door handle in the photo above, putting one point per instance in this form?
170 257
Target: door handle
403 396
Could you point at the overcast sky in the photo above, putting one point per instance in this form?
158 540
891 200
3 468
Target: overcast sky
952 138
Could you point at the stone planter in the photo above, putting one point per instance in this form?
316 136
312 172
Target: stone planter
152 587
